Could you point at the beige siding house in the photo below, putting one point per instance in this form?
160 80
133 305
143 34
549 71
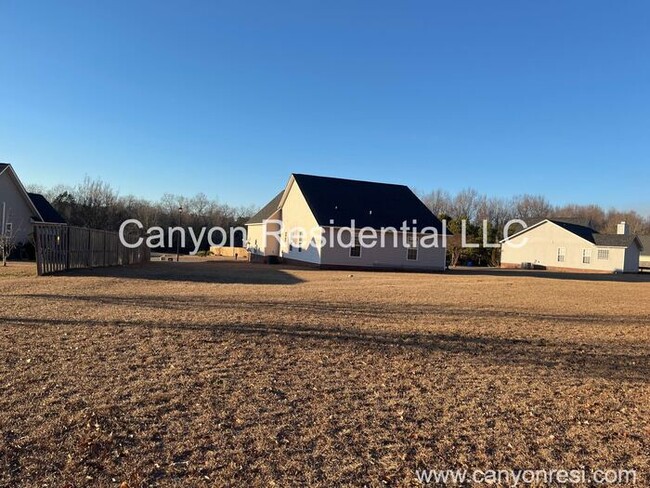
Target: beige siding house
562 244
20 209
323 207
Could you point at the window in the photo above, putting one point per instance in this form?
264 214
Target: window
412 250
561 254
603 254
355 250
300 242
586 256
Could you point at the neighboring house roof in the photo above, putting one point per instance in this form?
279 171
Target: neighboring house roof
645 242
337 201
47 211
266 211
614 240
587 233
5 167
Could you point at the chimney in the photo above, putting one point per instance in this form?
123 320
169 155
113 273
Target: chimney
622 228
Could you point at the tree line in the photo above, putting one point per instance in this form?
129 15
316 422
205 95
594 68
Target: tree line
475 208
96 204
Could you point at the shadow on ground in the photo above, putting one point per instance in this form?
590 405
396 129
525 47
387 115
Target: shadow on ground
556 275
196 272
578 360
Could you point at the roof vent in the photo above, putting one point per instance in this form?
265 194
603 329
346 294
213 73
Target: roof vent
622 229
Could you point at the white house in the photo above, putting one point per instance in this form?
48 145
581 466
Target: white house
19 210
568 245
332 205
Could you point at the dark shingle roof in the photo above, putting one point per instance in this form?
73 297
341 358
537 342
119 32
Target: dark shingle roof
3 166
369 204
645 242
577 227
46 210
615 240
266 211
583 229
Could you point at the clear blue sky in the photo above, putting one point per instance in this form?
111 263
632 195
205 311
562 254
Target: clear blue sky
228 98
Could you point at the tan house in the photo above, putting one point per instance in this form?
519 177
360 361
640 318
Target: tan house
568 245
19 210
330 206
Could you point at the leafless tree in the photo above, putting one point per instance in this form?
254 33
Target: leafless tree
9 233
531 207
438 201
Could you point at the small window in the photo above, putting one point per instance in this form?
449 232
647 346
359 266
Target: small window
355 250
586 256
561 254
300 242
603 254
9 227
412 250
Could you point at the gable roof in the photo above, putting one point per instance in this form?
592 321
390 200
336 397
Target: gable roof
584 231
47 211
266 211
576 227
614 240
5 167
645 242
338 201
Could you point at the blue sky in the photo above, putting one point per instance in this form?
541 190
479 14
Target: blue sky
228 98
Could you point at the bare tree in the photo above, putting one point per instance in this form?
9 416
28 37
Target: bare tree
465 204
8 234
438 201
531 207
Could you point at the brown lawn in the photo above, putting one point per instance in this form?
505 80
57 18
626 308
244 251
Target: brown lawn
230 374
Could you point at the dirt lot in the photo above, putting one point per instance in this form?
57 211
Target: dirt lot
231 374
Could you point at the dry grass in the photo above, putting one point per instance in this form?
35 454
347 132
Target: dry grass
224 374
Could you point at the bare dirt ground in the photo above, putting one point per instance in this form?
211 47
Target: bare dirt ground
231 374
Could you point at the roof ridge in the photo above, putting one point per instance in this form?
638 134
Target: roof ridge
349 179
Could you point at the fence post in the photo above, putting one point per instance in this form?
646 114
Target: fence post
67 254
39 258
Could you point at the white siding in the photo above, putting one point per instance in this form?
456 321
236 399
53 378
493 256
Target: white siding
18 210
255 238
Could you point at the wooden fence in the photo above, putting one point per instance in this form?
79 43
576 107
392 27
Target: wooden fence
63 247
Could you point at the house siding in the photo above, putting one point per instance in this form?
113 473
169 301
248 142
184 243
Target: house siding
632 258
388 257
18 211
297 214
541 249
